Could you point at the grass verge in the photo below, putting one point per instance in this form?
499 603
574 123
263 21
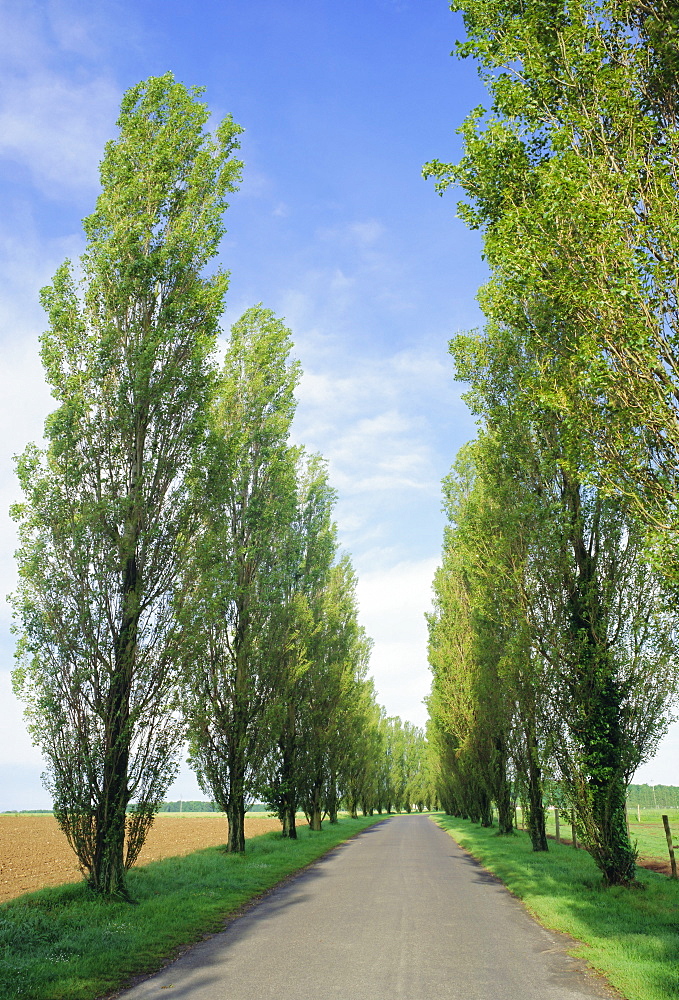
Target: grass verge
631 936
646 829
66 943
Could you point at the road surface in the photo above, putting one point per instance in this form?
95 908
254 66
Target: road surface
398 913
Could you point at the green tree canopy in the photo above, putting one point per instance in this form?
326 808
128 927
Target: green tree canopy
107 519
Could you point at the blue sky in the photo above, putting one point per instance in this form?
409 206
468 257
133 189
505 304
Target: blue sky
333 228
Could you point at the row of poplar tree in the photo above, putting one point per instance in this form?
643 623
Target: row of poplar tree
553 641
179 576
394 776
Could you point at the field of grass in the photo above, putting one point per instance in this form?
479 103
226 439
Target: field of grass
65 943
629 935
646 829
649 833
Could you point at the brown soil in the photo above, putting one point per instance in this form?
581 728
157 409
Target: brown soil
655 865
34 853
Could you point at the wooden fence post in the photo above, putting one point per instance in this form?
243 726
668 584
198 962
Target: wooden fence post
574 832
670 848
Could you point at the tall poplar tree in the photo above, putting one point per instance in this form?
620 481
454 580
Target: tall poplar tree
237 577
107 520
468 638
338 655
307 551
567 623
573 177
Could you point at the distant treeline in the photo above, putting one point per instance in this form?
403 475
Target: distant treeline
653 796
21 812
189 806
167 807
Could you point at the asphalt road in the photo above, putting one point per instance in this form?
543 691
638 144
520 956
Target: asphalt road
398 912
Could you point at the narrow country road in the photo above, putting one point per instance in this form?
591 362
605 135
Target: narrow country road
398 912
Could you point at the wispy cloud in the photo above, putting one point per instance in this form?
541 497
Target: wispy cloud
56 129
377 427
393 601
57 105
364 421
360 234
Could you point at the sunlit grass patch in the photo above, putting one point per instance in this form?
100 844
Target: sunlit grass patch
629 935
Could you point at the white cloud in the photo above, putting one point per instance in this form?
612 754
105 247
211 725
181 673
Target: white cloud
393 601
24 402
74 33
255 184
56 129
369 425
362 233
16 747
38 32
57 106
26 264
340 282
331 379
662 768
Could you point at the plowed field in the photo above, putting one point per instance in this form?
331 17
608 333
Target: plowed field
34 852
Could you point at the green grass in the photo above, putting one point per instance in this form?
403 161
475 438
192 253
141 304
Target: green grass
629 935
66 943
650 833
646 829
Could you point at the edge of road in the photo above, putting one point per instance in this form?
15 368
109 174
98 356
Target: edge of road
180 950
570 944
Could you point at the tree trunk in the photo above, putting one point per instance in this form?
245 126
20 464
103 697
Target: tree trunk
536 808
289 822
107 875
236 817
607 839
235 810
315 812
288 799
600 798
503 792
331 798
235 805
505 812
485 809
